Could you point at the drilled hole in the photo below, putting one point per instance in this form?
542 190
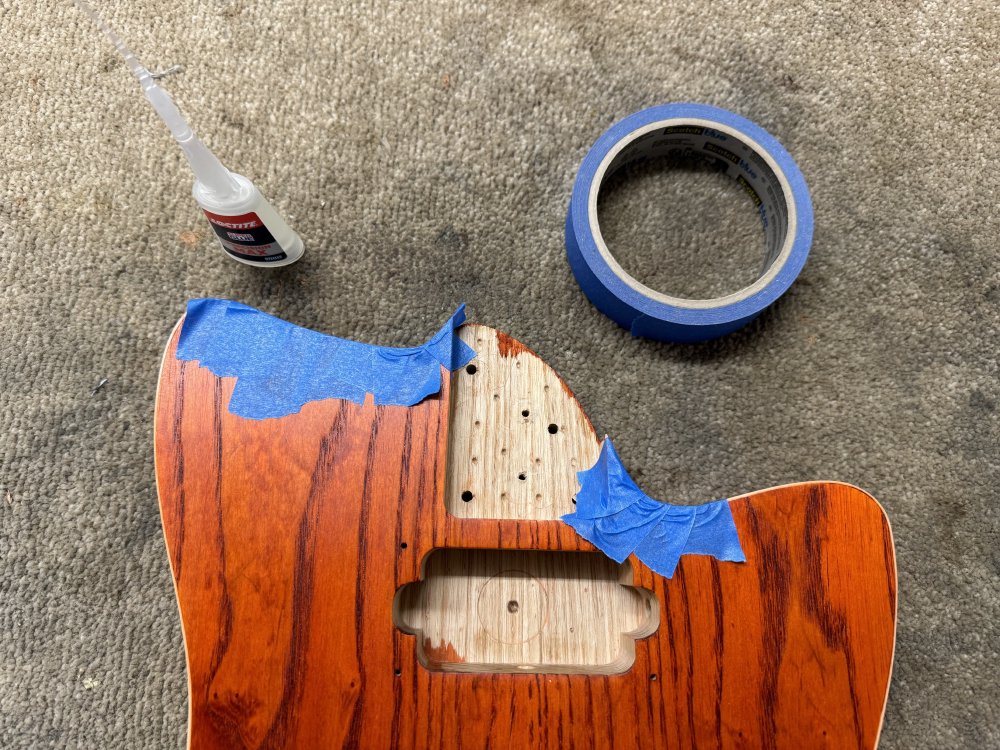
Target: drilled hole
471 369
525 413
490 610
653 677
467 496
522 476
397 672
402 545
553 429
574 500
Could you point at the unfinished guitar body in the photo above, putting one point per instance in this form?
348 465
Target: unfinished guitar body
368 576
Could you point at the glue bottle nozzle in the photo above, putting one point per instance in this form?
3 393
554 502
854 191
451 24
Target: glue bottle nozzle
208 170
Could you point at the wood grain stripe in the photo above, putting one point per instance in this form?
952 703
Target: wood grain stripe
289 532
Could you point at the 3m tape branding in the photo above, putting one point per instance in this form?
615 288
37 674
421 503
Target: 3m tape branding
711 139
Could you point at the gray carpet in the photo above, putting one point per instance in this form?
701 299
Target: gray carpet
426 153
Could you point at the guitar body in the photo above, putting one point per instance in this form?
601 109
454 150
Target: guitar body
368 576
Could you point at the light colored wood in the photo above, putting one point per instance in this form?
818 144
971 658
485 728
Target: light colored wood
290 538
517 434
509 611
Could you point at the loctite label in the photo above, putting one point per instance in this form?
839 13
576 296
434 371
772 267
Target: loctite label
246 237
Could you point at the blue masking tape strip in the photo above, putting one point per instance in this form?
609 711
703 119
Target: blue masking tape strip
613 514
280 366
711 139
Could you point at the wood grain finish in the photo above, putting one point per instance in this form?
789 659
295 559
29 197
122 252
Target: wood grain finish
286 537
515 611
517 434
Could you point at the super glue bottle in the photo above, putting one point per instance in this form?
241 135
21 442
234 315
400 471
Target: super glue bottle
248 228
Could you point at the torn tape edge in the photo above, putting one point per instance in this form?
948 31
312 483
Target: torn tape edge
723 543
451 355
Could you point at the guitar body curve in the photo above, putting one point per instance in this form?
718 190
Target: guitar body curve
292 541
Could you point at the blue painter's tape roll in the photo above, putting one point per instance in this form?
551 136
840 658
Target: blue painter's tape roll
716 140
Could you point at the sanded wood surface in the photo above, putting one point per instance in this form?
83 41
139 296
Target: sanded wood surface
518 435
513 611
289 539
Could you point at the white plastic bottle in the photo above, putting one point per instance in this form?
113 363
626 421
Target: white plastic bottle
247 227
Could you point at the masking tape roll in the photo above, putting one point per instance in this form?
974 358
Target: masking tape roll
718 140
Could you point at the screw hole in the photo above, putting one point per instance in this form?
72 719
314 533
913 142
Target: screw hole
471 369
512 606
397 672
467 496
522 476
402 545
525 413
553 429
652 677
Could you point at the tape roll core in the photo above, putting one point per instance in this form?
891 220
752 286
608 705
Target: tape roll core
720 141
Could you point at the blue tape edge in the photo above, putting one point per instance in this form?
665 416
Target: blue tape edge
618 518
652 318
280 366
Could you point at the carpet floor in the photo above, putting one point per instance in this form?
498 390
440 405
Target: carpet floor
426 152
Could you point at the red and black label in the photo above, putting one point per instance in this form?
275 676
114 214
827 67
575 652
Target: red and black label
246 237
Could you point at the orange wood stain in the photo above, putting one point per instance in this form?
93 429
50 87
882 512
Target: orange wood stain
284 538
511 347
442 653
